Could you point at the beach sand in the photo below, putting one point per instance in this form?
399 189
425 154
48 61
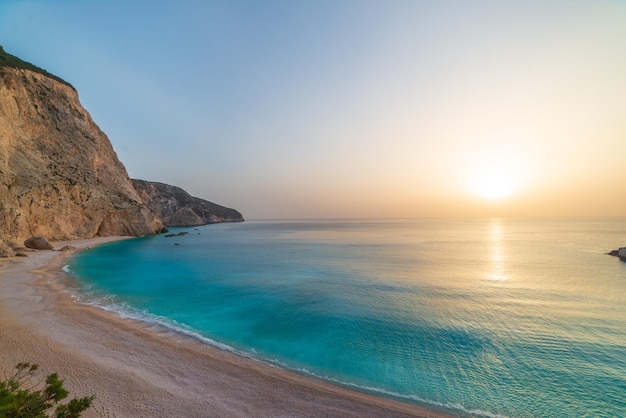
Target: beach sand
139 370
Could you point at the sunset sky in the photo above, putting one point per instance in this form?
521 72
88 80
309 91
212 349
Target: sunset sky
306 109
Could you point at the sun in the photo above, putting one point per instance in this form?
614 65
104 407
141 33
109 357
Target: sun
495 174
494 185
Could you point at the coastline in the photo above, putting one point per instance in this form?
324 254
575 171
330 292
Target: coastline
140 370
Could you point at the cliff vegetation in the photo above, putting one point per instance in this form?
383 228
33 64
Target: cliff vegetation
8 60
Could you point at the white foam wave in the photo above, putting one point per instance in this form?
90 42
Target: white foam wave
125 311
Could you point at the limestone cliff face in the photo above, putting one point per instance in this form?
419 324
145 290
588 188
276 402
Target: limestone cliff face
175 207
59 175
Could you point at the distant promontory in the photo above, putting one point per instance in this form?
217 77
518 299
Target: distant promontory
60 177
175 207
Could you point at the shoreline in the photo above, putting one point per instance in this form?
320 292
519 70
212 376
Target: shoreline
142 370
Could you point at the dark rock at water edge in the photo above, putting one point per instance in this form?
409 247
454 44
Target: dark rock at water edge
175 207
620 252
180 234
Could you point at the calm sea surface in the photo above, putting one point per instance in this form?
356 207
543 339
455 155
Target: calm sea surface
496 317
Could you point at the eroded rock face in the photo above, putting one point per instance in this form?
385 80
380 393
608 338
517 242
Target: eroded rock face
175 207
5 250
59 175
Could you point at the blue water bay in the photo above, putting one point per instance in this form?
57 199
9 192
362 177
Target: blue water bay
492 317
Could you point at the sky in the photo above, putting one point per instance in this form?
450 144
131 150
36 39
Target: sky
351 108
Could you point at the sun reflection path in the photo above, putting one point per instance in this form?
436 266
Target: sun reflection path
497 257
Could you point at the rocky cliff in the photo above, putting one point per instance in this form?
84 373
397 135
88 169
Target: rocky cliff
59 175
175 207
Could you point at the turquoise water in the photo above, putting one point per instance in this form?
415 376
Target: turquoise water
496 317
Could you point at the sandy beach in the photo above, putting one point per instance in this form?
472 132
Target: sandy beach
139 370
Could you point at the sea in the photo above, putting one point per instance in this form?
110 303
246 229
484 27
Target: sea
473 317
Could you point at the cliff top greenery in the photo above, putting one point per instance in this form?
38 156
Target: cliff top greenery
8 60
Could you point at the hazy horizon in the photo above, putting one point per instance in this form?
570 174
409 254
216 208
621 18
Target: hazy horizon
351 109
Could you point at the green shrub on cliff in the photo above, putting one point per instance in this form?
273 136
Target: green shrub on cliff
8 60
19 398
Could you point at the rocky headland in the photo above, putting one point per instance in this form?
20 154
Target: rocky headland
175 207
60 177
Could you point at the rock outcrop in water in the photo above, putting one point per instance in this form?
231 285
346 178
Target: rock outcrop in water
59 175
175 207
621 253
